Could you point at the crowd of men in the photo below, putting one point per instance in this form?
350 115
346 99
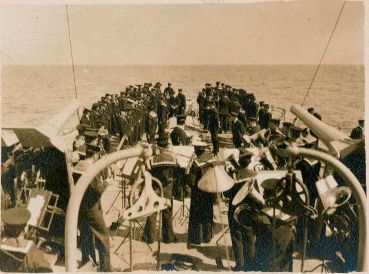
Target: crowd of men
144 110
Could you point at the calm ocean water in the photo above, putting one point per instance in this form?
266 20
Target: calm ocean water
30 94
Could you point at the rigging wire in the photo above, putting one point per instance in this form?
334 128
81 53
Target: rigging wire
324 52
71 56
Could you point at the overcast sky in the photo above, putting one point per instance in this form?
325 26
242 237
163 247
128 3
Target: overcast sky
277 32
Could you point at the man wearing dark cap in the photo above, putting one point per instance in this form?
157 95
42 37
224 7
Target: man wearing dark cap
201 100
243 175
253 126
238 131
168 91
178 135
162 115
224 111
181 101
151 125
94 115
163 164
276 135
91 221
312 111
264 116
172 105
213 127
201 208
29 258
286 127
85 119
358 132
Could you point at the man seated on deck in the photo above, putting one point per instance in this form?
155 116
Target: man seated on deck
178 135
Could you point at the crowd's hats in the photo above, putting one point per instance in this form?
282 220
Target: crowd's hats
198 143
242 111
179 89
252 119
91 150
130 86
169 84
266 105
287 124
86 110
217 83
261 103
162 140
181 118
275 120
245 153
361 119
310 109
16 216
207 84
91 134
129 100
295 131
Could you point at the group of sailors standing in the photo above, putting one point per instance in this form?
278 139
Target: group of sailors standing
145 110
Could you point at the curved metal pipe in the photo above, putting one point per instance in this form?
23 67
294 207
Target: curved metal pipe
356 189
70 235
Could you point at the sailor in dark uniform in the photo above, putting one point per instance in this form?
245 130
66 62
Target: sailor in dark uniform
168 91
241 174
178 135
200 227
94 115
162 115
264 116
162 168
201 102
181 101
224 111
276 135
91 219
312 111
213 126
253 126
151 125
238 131
30 259
173 105
358 132
85 119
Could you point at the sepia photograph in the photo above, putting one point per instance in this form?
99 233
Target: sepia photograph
221 136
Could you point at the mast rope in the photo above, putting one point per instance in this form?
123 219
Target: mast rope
325 50
71 56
